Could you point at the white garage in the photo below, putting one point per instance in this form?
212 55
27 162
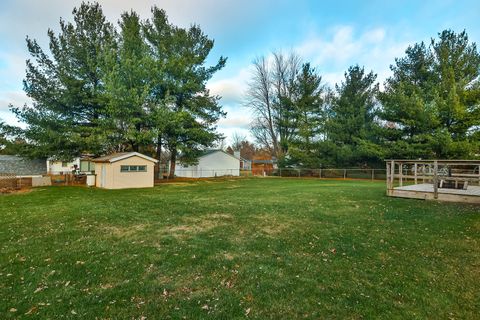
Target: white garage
212 163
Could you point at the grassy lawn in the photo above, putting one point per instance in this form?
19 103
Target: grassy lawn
251 248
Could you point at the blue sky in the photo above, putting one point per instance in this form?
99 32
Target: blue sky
331 34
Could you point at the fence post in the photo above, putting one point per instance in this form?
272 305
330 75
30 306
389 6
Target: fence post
320 173
435 179
299 172
373 174
280 171
344 173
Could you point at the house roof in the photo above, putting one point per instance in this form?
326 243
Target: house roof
114 157
22 166
262 161
210 151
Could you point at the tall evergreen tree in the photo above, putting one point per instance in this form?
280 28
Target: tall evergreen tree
408 104
191 111
309 114
457 64
352 124
129 87
432 101
69 102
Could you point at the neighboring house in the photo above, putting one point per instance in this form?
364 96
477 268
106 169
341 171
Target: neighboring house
83 164
212 163
125 170
263 165
21 166
245 164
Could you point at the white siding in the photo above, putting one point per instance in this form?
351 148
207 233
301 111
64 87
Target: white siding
214 164
58 167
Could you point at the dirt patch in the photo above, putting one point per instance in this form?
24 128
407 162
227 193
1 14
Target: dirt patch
228 256
182 184
271 225
7 190
124 231
194 225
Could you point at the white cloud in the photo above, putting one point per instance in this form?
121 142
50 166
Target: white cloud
12 69
231 89
15 98
334 52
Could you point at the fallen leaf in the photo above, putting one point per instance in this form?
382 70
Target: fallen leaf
247 312
32 310
38 289
13 310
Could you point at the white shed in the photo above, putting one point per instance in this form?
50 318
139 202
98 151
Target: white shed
212 163
125 170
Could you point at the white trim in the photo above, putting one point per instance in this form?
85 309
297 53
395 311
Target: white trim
132 154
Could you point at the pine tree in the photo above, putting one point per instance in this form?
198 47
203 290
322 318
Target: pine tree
309 115
129 87
69 99
431 103
191 111
351 127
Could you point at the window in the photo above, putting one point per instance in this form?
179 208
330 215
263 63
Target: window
133 168
86 166
65 164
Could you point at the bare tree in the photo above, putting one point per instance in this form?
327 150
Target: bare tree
270 95
237 139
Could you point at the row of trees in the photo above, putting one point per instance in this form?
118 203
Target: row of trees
140 86
429 108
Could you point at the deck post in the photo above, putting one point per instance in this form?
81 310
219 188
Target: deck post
415 172
435 179
400 174
392 173
423 174
388 176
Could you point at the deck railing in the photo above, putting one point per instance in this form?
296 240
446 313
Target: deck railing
437 172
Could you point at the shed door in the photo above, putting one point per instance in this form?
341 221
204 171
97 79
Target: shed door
104 172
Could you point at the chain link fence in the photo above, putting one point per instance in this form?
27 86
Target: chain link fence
362 174
10 181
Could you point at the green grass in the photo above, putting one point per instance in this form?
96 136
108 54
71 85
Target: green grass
256 248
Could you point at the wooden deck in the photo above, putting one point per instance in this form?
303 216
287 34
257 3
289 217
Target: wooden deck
426 191
421 179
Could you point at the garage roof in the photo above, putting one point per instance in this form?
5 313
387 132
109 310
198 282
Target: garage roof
114 157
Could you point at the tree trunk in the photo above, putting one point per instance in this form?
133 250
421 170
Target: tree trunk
158 156
173 160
